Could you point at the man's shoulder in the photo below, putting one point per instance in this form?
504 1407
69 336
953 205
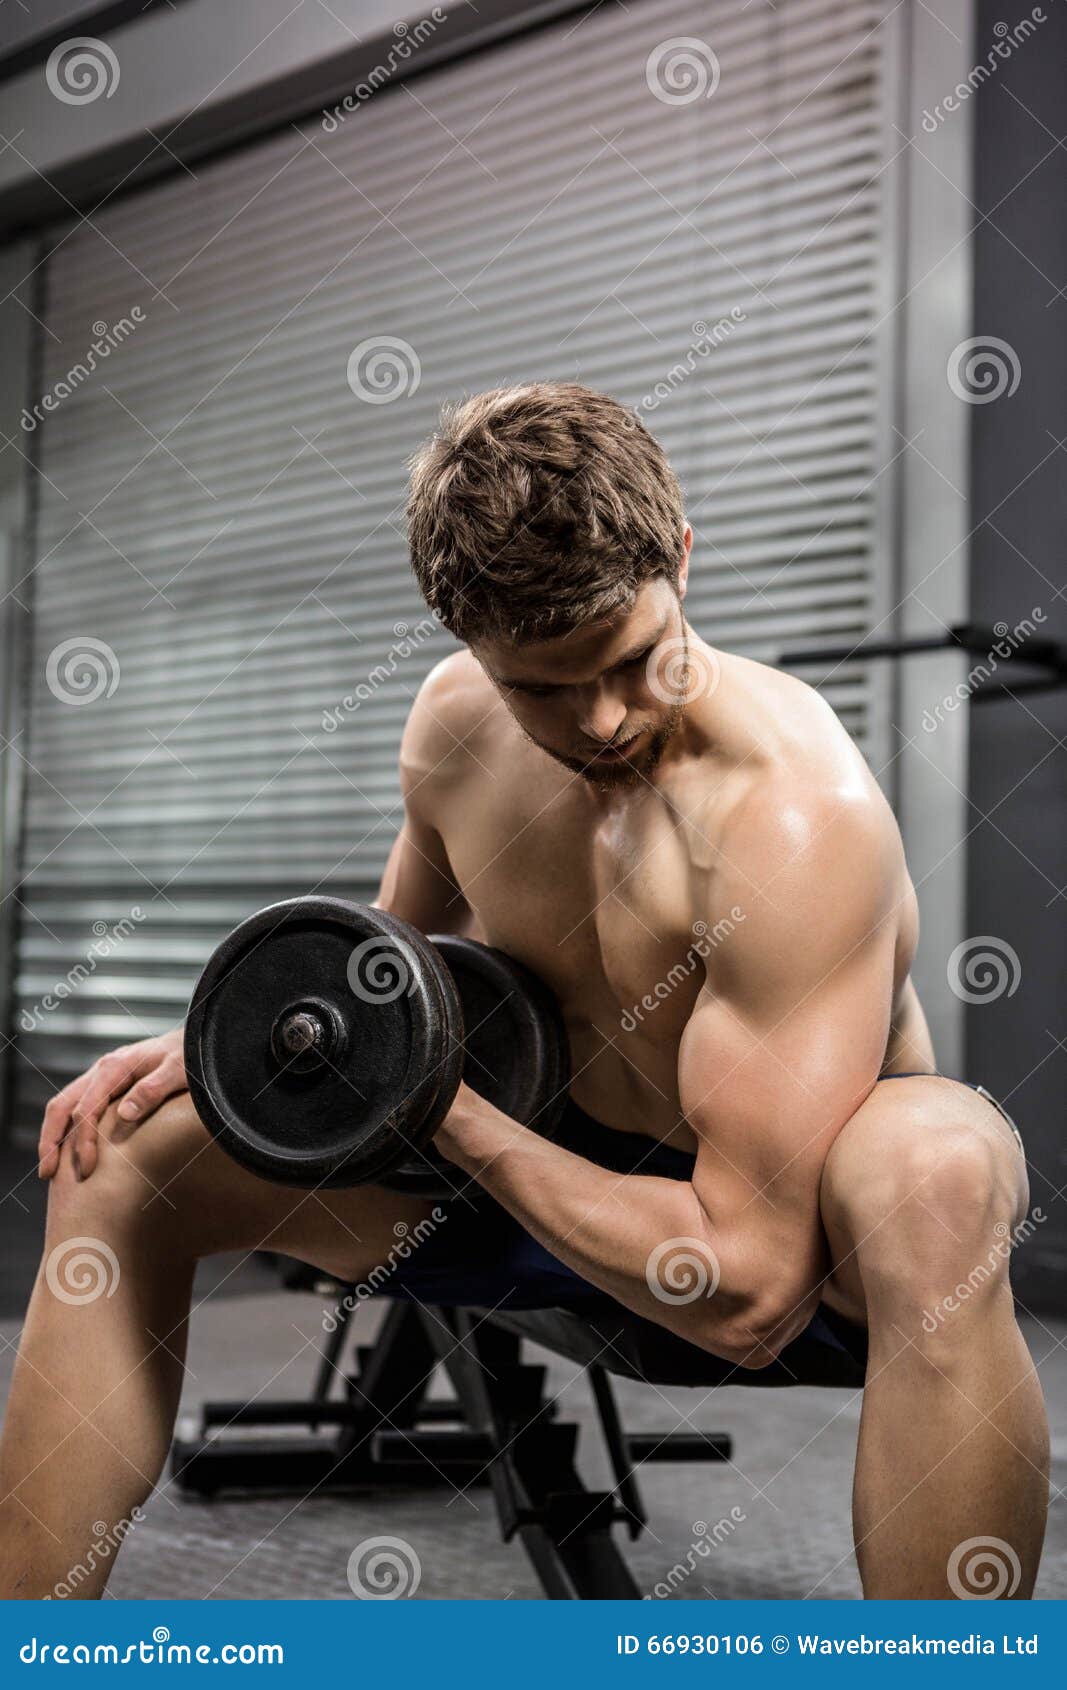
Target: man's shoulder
765 732
452 710
798 808
456 685
775 712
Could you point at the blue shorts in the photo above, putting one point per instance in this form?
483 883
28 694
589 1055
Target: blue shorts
479 1256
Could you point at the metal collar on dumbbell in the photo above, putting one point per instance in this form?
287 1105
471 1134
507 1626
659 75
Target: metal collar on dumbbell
307 1035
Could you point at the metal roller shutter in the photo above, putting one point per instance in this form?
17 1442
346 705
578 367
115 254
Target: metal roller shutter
222 511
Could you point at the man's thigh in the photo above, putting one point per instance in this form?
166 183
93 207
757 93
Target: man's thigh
908 1132
167 1176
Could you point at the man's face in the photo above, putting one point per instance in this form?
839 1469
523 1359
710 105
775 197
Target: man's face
606 699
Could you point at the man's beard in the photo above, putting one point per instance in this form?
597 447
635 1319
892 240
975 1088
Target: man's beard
612 775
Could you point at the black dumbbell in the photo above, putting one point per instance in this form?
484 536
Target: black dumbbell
325 1044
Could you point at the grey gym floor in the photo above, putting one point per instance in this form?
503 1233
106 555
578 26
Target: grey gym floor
777 1517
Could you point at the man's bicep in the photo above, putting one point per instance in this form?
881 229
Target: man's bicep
767 1093
788 1035
766 1101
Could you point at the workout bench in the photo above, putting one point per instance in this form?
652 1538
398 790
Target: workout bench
499 1427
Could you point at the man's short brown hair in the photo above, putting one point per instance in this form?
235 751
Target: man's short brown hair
539 508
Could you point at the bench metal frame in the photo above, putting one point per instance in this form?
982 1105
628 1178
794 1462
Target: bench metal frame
499 1428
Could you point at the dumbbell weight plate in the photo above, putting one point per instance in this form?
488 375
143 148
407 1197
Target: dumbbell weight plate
323 1043
516 1053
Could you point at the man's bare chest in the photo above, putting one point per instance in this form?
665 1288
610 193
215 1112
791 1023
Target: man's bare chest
604 908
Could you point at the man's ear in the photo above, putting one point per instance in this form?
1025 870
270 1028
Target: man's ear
683 573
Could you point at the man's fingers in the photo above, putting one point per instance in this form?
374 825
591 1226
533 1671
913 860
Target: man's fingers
153 1090
57 1114
106 1079
91 1105
47 1161
84 1150
77 1109
54 1127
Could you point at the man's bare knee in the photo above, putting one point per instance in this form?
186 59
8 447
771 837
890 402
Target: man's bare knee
148 1185
919 1194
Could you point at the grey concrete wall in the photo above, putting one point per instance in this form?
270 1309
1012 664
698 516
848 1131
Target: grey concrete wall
1017 854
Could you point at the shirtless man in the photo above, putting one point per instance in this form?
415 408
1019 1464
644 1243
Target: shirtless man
592 788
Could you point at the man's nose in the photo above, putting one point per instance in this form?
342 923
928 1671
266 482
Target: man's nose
601 714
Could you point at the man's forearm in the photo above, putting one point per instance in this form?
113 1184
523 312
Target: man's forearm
614 1229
